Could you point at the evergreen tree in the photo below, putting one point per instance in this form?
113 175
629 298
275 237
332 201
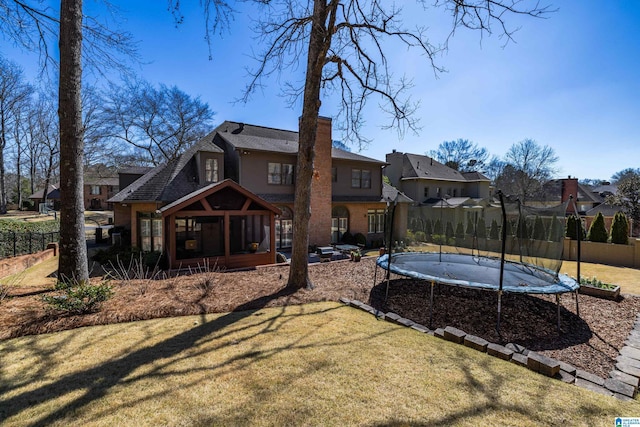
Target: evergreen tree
482 228
573 222
598 231
494 232
555 230
428 228
620 229
539 232
449 231
460 231
470 228
437 229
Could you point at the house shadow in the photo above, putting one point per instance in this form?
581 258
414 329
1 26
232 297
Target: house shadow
529 320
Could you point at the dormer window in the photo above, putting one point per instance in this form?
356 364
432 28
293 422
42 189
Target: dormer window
211 170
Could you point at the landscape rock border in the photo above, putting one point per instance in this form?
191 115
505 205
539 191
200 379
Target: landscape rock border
622 382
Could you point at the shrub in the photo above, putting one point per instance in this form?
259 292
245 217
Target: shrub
470 227
539 232
555 230
620 229
593 281
598 231
348 238
494 232
481 229
437 228
360 239
522 231
78 297
428 227
573 224
420 236
459 231
449 231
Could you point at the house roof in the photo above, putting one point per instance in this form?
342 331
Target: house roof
171 181
605 209
95 180
213 188
389 194
135 170
553 192
54 192
250 137
415 166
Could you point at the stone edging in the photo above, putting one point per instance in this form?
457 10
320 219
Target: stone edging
622 382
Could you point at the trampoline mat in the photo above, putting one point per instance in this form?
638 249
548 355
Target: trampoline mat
477 272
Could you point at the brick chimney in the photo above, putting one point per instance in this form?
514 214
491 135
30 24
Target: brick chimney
570 188
320 228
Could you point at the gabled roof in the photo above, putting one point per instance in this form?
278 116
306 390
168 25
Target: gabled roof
415 166
552 191
244 136
390 193
113 181
171 181
605 209
201 193
53 193
135 170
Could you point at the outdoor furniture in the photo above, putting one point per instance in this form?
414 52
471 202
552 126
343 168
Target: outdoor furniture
325 253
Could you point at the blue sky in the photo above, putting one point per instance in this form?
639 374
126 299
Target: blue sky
570 81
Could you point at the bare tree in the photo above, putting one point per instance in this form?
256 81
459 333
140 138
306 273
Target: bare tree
628 196
73 264
624 174
528 166
33 25
44 143
13 92
461 155
159 124
344 46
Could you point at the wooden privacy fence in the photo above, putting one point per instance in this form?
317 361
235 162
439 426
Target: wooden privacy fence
13 243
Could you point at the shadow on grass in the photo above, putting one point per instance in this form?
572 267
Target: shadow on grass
99 380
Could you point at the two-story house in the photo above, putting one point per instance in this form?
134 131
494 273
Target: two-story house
229 198
426 180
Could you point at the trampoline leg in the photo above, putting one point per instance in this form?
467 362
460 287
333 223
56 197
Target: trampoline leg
499 312
577 306
431 307
386 294
558 308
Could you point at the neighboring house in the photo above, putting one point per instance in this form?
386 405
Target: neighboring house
190 208
589 201
97 192
53 197
427 181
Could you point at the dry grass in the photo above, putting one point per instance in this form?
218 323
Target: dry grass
314 364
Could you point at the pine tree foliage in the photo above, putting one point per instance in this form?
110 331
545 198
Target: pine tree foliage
539 231
598 230
620 229
481 228
494 232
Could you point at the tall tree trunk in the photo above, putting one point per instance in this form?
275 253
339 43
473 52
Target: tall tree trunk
73 264
299 271
3 144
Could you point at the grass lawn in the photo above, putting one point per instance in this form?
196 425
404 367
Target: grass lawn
315 364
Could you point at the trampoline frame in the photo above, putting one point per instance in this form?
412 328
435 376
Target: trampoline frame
387 258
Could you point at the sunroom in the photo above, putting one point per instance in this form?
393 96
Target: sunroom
223 224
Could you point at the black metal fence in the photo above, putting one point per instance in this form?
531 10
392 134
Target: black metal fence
21 243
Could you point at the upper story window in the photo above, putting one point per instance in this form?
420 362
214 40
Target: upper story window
95 190
360 178
211 170
426 192
280 173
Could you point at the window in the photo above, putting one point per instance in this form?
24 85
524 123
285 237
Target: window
438 193
360 178
455 192
334 174
95 190
375 219
339 223
211 170
150 232
426 192
280 173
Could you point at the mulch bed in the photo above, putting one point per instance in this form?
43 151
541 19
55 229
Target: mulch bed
590 341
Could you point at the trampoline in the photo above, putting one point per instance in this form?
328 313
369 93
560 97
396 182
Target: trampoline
524 258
